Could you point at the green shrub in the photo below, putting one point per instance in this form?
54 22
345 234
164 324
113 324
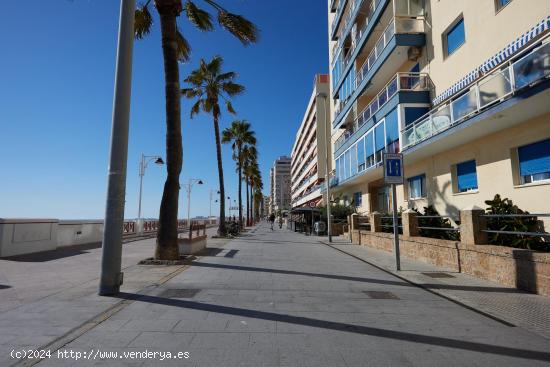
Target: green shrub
436 223
515 224
387 223
338 211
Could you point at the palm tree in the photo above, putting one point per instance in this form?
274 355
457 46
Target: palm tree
209 85
176 48
249 157
240 135
258 197
256 185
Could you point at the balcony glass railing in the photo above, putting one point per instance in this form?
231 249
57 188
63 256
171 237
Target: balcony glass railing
492 88
401 81
401 8
375 53
339 10
306 193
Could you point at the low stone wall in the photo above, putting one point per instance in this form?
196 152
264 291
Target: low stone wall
78 232
524 269
25 236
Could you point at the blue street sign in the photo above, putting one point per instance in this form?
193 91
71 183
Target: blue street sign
393 168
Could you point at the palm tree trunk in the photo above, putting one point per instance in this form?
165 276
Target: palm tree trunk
167 236
221 228
239 163
247 206
252 204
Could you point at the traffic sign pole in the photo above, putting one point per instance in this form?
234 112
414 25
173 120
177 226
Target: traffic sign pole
393 174
395 228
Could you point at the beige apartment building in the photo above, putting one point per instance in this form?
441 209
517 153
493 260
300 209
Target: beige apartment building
280 185
461 88
309 153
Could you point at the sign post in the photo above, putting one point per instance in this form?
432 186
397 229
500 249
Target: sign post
393 175
312 205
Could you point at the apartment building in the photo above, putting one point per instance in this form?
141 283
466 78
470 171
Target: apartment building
309 153
279 176
459 87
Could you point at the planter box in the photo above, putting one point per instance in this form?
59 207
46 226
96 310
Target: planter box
192 246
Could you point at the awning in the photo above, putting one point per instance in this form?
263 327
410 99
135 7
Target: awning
496 60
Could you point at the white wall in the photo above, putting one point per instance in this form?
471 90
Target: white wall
78 232
23 236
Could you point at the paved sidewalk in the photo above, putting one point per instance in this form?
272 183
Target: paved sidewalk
44 297
276 298
527 310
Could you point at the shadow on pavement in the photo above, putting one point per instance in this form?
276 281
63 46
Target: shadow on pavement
337 326
2 286
355 279
54 254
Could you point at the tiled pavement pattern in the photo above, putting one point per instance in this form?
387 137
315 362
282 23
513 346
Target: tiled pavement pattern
44 296
283 299
523 309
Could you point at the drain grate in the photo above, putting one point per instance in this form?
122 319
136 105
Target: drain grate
179 293
438 275
380 295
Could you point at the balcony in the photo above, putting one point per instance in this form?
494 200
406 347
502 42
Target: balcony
310 194
495 88
362 19
388 53
401 82
338 17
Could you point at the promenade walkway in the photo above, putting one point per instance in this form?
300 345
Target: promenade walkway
276 298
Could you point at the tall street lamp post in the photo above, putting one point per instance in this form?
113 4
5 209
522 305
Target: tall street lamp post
211 198
327 183
111 255
145 160
188 187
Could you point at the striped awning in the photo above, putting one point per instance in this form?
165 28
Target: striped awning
497 59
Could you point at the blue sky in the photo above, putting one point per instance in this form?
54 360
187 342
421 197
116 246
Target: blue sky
56 86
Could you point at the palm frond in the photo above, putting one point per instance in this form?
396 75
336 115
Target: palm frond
196 107
184 49
240 27
199 17
226 76
230 108
208 105
233 89
215 65
142 22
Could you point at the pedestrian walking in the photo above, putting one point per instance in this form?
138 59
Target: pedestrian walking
272 220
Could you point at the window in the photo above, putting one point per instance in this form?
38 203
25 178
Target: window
369 149
466 176
379 141
361 155
357 199
392 132
454 37
499 4
353 160
347 173
416 187
534 162
414 113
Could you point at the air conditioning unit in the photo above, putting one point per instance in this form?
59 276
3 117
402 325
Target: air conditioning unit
414 52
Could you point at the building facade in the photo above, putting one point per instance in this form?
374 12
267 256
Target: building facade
459 87
310 152
280 185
